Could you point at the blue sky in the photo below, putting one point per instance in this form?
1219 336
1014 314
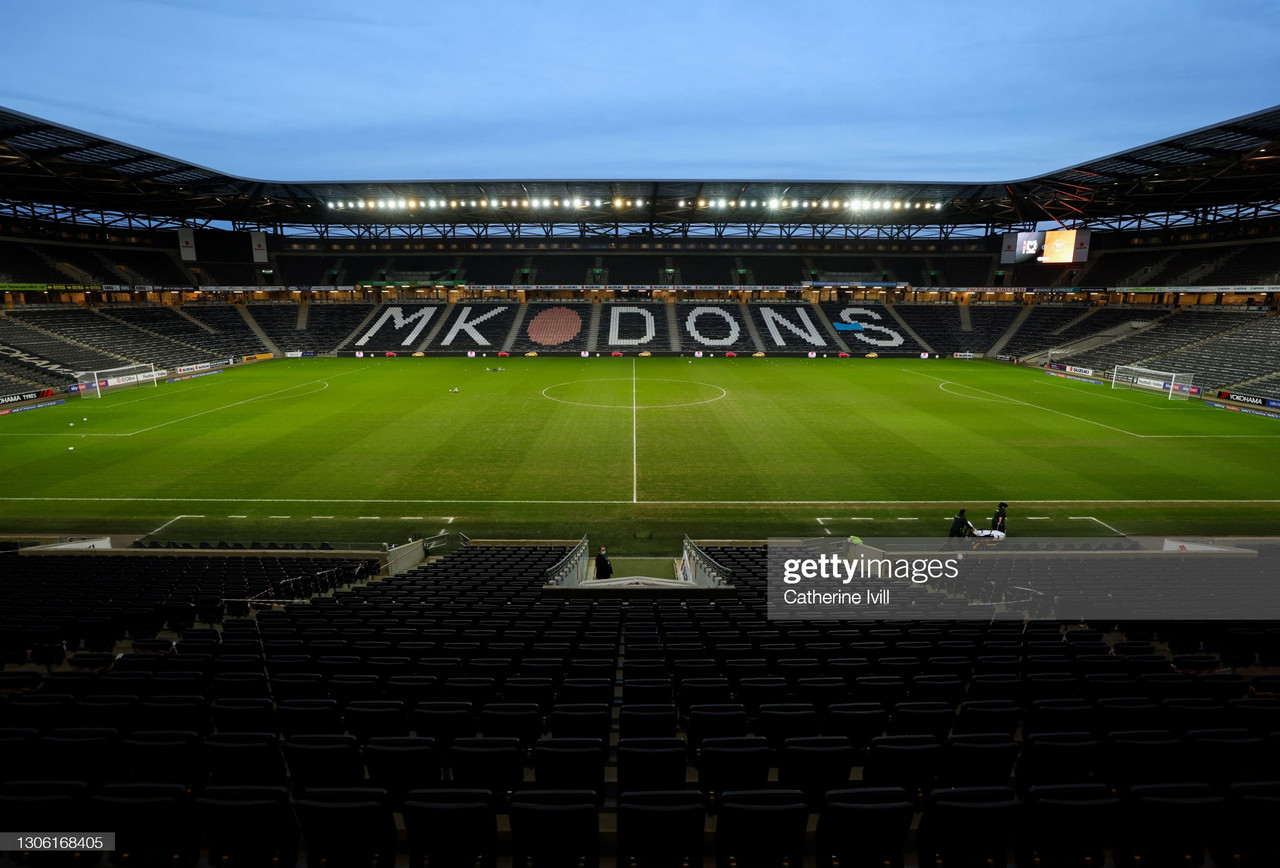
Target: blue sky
912 90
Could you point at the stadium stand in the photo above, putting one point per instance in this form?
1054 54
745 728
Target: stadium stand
772 271
25 263
145 267
989 323
1182 328
328 324
1037 330
1238 354
964 270
325 326
1266 387
833 268
228 322
560 270
398 327
305 270
459 689
555 325
1122 268
1251 264
938 325
791 327
622 269
634 325
67 356
713 326
1102 319
879 330
98 329
477 325
169 322
709 270
493 270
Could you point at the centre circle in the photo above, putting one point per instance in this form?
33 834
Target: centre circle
625 393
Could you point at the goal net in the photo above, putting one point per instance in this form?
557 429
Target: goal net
91 384
1178 385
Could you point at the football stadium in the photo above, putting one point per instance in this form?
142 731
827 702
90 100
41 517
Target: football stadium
465 523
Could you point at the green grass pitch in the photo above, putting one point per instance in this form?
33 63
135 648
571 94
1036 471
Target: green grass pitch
634 452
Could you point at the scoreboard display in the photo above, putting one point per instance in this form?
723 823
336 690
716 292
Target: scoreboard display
1054 245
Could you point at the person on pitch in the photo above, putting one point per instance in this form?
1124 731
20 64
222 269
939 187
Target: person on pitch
960 525
997 519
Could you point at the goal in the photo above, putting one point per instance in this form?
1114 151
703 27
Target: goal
1178 385
90 384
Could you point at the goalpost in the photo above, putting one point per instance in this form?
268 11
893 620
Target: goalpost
1179 385
90 384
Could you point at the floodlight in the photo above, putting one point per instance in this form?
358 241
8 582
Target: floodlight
702 203
681 203
826 204
402 203
773 203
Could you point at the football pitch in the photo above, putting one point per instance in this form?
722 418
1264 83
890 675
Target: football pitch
634 452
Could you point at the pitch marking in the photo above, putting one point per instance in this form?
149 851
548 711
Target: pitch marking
722 391
943 387
1094 422
183 418
1098 520
635 473
171 521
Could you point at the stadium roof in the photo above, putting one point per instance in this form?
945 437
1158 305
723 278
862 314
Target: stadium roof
1222 173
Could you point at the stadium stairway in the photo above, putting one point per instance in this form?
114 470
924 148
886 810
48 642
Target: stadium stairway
593 329
751 326
514 332
258 330
189 318
673 328
152 332
966 319
444 317
911 333
304 313
830 329
999 345
360 329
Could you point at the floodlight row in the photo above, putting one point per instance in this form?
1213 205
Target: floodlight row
718 204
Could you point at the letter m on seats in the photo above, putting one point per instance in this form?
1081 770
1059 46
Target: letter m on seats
396 316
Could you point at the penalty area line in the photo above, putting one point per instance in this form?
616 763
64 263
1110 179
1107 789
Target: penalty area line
1098 520
171 521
